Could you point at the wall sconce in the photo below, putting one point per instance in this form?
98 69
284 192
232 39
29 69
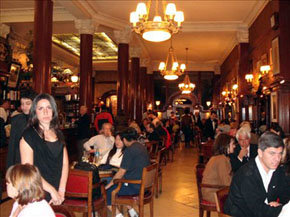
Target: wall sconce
157 102
208 103
235 87
224 93
74 78
265 69
249 78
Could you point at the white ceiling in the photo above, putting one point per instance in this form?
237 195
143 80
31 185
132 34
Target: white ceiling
210 31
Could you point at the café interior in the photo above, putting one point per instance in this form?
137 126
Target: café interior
228 56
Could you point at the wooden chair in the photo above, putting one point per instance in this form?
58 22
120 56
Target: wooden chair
152 148
145 196
61 211
159 159
206 150
203 204
79 194
220 198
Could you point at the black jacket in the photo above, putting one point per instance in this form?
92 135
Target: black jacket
18 124
83 127
236 163
208 129
247 193
2 133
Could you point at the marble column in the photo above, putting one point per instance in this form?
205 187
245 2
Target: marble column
143 85
43 13
86 29
123 38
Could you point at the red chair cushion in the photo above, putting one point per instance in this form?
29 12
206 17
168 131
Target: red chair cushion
207 203
73 184
59 215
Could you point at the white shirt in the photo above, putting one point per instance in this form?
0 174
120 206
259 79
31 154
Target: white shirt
3 114
35 209
266 177
285 212
116 158
102 143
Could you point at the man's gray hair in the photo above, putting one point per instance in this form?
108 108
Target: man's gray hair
243 131
270 140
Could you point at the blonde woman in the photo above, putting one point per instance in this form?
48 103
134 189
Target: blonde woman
24 185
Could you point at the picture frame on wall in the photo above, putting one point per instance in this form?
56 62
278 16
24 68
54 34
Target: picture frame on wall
274 107
275 56
14 75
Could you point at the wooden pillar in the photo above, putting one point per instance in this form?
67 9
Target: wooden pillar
199 88
122 82
86 29
134 75
142 80
42 46
150 88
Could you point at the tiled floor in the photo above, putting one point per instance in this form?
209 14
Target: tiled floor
179 196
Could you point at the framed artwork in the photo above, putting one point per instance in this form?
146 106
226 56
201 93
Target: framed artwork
274 107
14 75
275 56
274 20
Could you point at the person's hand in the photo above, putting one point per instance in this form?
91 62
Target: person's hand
243 153
56 198
274 204
109 185
61 192
92 150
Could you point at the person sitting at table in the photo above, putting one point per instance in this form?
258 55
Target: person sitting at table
134 160
24 185
152 135
218 170
103 142
115 156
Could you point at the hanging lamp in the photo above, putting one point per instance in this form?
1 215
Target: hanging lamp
170 69
156 30
186 86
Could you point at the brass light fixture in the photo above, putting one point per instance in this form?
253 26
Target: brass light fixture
170 69
156 30
186 86
249 78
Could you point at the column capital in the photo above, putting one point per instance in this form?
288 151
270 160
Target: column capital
135 52
144 62
4 30
86 26
123 36
243 36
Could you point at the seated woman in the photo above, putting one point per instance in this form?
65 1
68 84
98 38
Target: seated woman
218 170
24 185
115 156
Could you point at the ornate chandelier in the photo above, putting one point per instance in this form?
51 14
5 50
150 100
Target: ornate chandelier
186 86
157 30
171 69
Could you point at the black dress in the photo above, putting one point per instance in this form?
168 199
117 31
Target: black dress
47 156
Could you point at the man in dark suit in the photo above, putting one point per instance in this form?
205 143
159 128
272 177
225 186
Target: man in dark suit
244 151
211 125
259 188
18 124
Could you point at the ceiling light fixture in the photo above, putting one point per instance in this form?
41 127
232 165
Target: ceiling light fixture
157 30
170 69
186 86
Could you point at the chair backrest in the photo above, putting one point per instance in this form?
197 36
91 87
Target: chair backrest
148 179
79 184
160 156
199 174
207 150
152 147
61 211
221 197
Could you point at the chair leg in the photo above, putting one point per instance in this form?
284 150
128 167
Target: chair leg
104 212
86 214
114 210
200 212
151 208
157 188
207 213
141 210
160 183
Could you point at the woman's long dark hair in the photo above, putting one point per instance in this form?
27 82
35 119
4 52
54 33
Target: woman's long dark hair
222 143
114 150
54 123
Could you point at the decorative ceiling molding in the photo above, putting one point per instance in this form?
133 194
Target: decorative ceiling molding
254 13
123 36
21 15
4 30
213 26
86 26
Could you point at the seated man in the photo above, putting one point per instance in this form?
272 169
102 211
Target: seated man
152 134
103 142
135 158
259 188
244 151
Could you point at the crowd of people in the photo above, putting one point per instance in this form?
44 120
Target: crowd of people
255 167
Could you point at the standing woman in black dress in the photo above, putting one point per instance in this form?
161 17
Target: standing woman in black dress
43 145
